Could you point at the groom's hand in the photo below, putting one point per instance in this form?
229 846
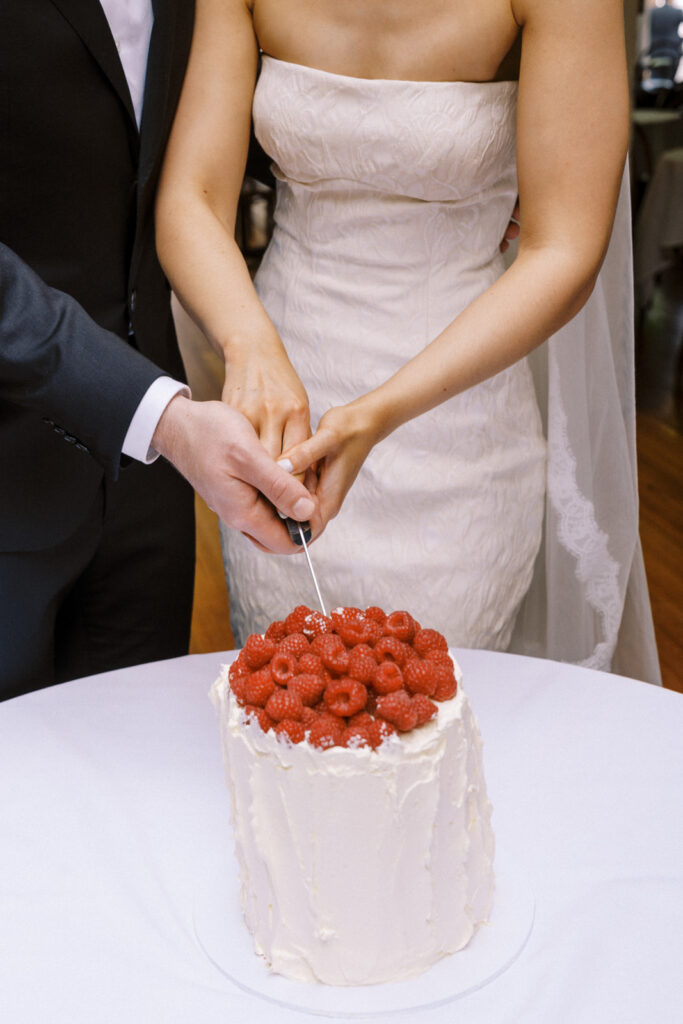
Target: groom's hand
217 450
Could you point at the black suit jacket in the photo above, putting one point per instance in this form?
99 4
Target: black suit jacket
85 320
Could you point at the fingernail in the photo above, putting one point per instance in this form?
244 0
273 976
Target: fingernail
286 465
303 509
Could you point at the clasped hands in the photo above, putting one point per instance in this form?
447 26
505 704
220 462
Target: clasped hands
229 450
261 383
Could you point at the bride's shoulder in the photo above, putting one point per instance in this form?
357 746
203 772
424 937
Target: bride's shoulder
559 12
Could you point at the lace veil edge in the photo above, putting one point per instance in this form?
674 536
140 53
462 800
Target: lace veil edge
588 602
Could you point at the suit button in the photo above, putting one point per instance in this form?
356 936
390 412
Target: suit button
82 448
59 430
133 298
70 438
49 422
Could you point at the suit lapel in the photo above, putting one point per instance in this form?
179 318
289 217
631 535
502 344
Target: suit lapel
89 21
155 111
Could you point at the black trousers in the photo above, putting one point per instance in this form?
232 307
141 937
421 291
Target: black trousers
118 592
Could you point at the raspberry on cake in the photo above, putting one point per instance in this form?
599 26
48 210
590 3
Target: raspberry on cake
348 662
355 770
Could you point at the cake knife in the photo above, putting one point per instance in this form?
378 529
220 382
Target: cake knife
297 534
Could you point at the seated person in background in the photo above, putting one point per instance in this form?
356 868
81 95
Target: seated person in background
665 28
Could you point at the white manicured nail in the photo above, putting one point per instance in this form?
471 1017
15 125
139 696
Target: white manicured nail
286 465
303 509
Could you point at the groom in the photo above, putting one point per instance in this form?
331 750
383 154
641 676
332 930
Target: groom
96 546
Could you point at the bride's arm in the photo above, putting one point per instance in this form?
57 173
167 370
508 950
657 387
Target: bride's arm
195 218
572 138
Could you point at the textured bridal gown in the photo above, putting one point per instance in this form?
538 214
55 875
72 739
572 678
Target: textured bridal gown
392 198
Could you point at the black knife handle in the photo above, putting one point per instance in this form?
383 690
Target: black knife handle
293 530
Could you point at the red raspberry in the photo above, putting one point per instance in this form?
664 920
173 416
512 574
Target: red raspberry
378 730
446 686
239 667
258 687
283 667
371 703
376 633
398 709
334 656
317 624
325 715
388 648
238 685
425 708
421 676
309 716
363 718
388 677
352 626
291 730
258 651
308 686
310 662
367 649
429 640
325 734
401 625
276 631
355 736
320 645
345 696
376 614
294 643
361 665
294 623
259 715
440 657
283 704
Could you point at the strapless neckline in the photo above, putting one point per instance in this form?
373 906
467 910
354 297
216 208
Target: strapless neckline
504 85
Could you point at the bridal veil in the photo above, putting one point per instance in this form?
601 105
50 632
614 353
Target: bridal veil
588 602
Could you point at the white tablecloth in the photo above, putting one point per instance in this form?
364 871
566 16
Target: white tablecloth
113 810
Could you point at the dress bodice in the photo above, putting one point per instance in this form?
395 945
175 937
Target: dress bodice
384 147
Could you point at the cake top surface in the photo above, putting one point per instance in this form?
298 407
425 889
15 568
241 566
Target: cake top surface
358 680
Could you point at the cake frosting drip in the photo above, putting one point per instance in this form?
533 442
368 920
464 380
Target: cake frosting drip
360 866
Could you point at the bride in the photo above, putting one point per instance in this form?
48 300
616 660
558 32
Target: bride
491 494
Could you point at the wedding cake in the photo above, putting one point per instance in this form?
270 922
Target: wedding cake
359 806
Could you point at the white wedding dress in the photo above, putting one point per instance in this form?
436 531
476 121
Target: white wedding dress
392 198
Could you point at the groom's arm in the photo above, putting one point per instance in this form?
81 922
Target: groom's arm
90 384
55 359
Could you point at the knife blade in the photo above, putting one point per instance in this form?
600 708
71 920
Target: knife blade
298 532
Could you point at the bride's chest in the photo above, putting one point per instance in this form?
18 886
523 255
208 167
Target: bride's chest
408 136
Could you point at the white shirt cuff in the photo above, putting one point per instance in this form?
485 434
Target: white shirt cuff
137 443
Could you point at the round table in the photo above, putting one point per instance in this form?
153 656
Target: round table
114 810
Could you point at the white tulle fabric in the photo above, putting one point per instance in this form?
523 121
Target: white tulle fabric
589 602
392 200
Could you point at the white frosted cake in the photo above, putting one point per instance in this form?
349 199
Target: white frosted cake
365 856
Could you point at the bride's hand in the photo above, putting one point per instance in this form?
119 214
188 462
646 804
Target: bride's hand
339 448
261 383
